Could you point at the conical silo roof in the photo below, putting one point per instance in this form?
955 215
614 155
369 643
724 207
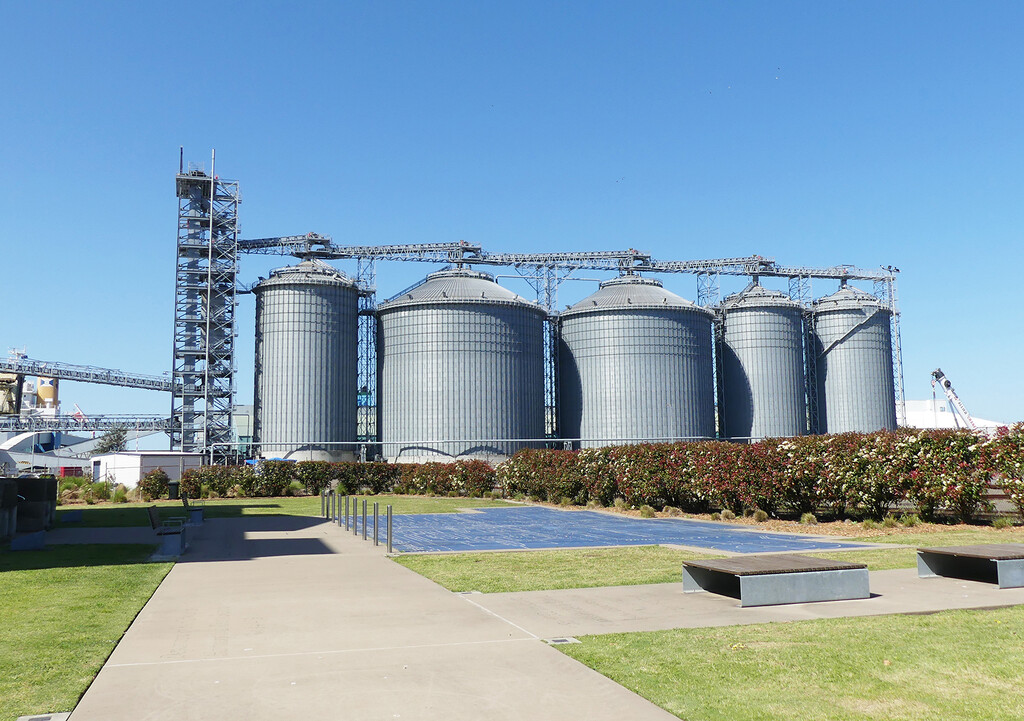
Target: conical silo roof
846 298
757 296
632 292
457 286
309 272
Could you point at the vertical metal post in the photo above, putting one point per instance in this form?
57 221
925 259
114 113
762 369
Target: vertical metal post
355 515
333 497
376 525
346 512
389 528
364 519
323 503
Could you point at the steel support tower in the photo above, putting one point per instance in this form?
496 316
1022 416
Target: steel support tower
203 367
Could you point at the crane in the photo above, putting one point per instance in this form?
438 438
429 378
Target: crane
939 377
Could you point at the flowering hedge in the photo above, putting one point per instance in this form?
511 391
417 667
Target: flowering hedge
938 471
1005 453
273 478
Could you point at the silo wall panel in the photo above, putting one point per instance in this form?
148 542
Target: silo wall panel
460 372
854 369
306 371
641 375
763 373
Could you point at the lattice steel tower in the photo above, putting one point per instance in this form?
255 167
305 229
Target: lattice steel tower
204 309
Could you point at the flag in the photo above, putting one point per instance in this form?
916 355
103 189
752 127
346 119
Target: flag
78 415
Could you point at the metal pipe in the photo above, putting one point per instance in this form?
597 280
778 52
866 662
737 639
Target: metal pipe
323 503
364 519
333 497
389 528
376 525
346 512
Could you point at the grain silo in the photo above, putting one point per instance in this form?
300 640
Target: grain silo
761 362
306 321
635 363
854 363
461 369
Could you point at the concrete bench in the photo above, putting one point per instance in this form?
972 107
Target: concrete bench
171 533
775 579
1001 563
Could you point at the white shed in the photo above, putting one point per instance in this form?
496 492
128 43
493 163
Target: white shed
127 467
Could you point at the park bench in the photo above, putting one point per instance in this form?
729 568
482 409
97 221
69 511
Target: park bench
195 511
171 533
767 580
1001 563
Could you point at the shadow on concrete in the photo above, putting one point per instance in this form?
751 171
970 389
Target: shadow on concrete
230 539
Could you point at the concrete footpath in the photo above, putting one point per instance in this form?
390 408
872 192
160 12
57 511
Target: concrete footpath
292 618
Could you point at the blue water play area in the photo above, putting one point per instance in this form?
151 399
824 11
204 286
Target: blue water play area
533 527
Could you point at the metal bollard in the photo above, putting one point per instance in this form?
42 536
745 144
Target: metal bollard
323 503
346 513
364 519
333 497
355 516
376 525
389 528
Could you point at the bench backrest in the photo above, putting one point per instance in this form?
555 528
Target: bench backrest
184 502
154 518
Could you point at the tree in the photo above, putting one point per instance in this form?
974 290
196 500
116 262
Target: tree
112 441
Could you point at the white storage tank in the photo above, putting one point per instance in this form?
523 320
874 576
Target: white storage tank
853 351
306 349
460 370
635 364
763 393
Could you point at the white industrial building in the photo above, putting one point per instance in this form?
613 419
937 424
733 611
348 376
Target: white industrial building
936 413
128 467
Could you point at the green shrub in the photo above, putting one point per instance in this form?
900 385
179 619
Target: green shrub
871 525
120 495
808 519
153 485
647 512
594 503
760 516
727 515
909 519
1001 522
672 511
890 521
620 502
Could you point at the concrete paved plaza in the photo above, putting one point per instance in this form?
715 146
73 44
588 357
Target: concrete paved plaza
293 618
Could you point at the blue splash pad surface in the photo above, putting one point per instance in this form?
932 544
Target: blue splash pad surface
496 529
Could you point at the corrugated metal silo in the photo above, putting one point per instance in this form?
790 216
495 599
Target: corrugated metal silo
306 321
854 363
460 359
762 366
635 362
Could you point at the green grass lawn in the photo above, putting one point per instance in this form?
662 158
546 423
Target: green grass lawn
63 611
542 570
950 665
135 514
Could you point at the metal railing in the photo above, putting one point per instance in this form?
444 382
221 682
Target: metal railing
330 508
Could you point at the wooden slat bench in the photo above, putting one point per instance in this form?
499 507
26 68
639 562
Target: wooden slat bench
195 511
774 579
171 533
1001 563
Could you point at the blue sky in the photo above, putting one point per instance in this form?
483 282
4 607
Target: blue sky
817 133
